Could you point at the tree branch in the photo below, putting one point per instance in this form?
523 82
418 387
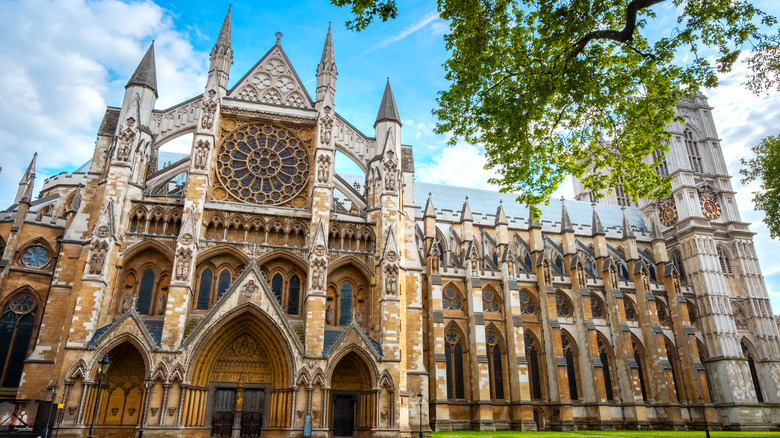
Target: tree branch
621 36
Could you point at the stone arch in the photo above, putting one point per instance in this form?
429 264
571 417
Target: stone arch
318 378
106 347
123 385
304 378
177 373
147 244
38 242
160 372
217 250
350 260
76 371
248 331
354 351
386 381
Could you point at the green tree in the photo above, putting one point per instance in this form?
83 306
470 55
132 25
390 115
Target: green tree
555 88
765 167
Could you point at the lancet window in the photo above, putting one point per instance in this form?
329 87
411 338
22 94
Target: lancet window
453 354
490 301
16 329
287 290
659 159
663 313
532 353
725 263
527 303
211 288
694 157
674 360
605 355
563 305
495 365
640 365
569 355
630 309
753 372
597 307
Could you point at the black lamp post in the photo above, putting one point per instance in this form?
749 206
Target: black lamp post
103 365
148 384
704 415
421 417
48 417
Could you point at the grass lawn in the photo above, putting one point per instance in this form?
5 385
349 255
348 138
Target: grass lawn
605 434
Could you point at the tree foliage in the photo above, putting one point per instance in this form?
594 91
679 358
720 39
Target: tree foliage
552 88
765 167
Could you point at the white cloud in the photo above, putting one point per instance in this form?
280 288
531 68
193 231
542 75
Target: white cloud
64 61
459 165
424 21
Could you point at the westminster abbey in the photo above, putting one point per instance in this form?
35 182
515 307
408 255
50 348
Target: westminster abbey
246 289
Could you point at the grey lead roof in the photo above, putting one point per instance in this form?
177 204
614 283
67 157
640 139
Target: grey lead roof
145 74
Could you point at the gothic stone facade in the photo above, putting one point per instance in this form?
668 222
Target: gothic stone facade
247 288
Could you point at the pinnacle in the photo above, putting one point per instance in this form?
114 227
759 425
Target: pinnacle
387 109
224 32
328 57
26 183
145 74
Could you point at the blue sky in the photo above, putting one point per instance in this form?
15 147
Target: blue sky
64 61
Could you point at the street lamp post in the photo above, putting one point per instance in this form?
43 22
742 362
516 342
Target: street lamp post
704 415
48 417
421 417
148 384
104 363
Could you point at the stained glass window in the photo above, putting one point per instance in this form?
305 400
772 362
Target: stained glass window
596 307
527 305
640 371
563 305
145 292
533 363
224 283
489 301
204 289
496 367
451 300
277 284
571 370
454 366
630 310
16 329
293 295
35 257
345 304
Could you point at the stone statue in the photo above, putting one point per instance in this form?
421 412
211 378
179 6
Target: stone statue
161 304
127 302
547 272
329 315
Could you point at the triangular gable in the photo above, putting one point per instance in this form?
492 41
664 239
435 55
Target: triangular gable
249 288
368 343
129 322
273 80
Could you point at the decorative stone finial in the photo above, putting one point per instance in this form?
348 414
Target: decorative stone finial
278 37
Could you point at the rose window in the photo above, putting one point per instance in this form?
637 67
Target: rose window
35 257
263 164
22 303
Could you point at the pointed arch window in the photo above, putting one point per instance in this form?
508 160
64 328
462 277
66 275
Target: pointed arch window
692 313
640 369
453 354
663 313
527 261
293 295
622 198
145 292
345 304
563 305
606 364
597 307
204 289
490 301
674 361
725 263
571 368
753 372
277 285
527 304
16 329
559 263
678 263
630 309
659 159
451 299
694 157
224 283
495 366
532 355
2 247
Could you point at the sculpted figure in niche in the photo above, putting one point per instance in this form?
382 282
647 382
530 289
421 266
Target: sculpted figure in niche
325 127
613 277
329 315
324 168
581 276
161 304
98 258
739 317
183 258
127 302
547 272
125 141
359 314
201 154
646 281
209 108
391 282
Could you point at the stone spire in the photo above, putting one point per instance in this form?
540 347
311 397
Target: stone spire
326 74
628 232
26 183
596 227
221 55
145 74
387 109
566 226
328 60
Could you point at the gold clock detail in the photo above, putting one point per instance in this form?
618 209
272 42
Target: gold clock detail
709 206
667 213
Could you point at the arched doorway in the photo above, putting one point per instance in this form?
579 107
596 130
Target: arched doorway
352 400
241 380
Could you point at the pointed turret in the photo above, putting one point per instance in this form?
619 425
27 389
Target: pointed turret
326 73
26 183
628 232
429 210
566 225
387 109
596 227
465 212
221 56
500 215
145 74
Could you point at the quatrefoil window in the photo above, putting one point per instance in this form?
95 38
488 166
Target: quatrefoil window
263 164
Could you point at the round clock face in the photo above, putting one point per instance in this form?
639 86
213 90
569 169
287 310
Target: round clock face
263 164
668 213
709 206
